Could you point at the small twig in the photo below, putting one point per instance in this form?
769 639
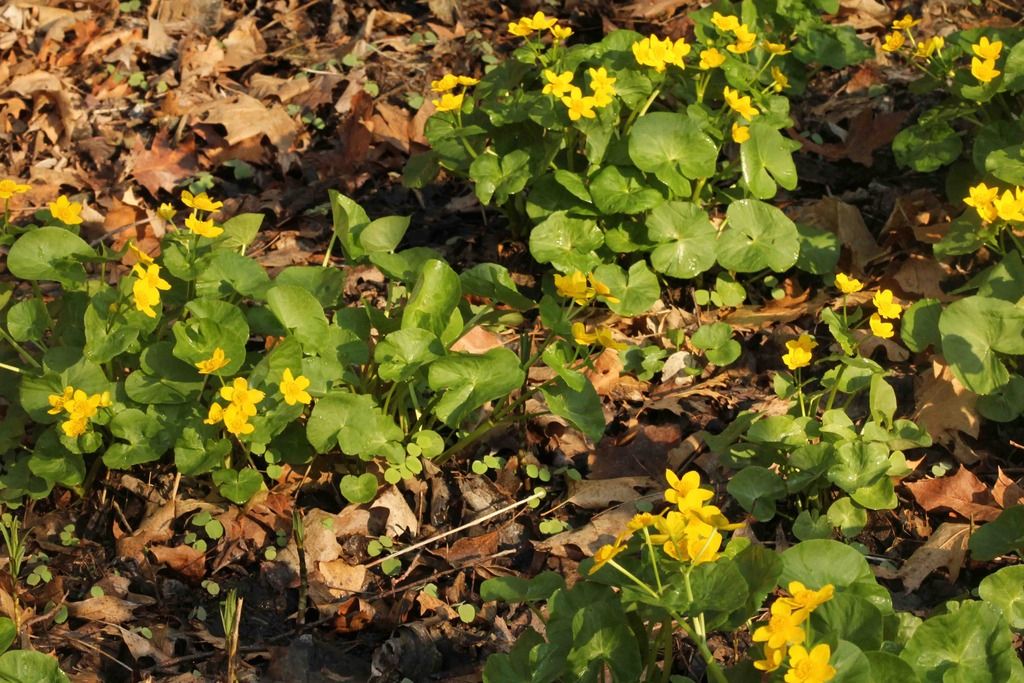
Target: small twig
469 525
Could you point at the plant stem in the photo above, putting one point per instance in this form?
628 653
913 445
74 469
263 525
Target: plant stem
666 646
327 254
21 352
11 368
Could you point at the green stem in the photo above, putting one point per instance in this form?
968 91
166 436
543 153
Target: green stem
800 393
666 646
327 254
25 356
10 368
835 388
654 559
641 111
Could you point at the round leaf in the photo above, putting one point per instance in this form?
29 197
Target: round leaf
974 331
361 489
757 236
49 253
668 144
685 237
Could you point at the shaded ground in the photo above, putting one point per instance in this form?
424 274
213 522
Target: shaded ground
270 104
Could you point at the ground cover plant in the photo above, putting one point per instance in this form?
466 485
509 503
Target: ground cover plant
402 341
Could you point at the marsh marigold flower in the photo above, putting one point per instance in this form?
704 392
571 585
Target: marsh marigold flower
602 335
9 188
574 286
520 29
200 202
772 659
166 211
740 134
887 308
779 80
810 667
740 105
560 32
982 198
607 553
540 21
905 23
807 599
799 352
147 287
926 48
711 59
879 327
66 211
602 85
685 491
449 102
601 290
242 395
847 284
202 228
1009 207
984 70
579 106
293 389
745 41
214 363
783 627
140 256
988 51
445 83
58 401
725 22
775 48
558 84
893 42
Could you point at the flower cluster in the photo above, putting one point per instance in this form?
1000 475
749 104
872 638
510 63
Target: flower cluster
785 633
537 23
147 286
690 532
602 335
241 406
201 203
983 63
745 39
583 288
885 309
799 352
658 54
80 407
578 105
903 35
991 205
451 101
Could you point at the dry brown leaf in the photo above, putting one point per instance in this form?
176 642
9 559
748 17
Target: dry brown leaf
162 167
284 89
847 223
243 46
478 340
606 373
963 493
870 131
599 494
183 559
245 117
401 518
471 548
642 451
107 608
944 406
946 547
342 577
1006 492
155 526
922 275
44 87
783 310
600 530
428 603
140 646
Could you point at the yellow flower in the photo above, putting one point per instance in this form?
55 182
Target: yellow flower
579 106
926 48
140 256
294 388
213 363
215 415
740 134
847 284
711 59
772 659
893 42
236 420
783 627
879 327
199 202
66 211
166 211
146 289
986 50
775 48
725 22
740 105
83 406
105 400
651 52
602 336
985 71
540 21
676 52
807 599
574 286
74 427
9 188
1009 207
982 198
557 84
560 32
690 539
449 102
467 81
606 554
685 491
58 401
810 667
779 80
202 228
601 290
799 352
906 22
644 520
745 41
445 83
712 515
240 395
520 28
602 85
887 308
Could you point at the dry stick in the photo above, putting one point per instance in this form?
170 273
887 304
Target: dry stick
468 525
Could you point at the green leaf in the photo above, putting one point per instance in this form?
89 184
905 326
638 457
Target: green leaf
919 328
1002 535
810 525
354 421
757 236
819 562
712 336
400 354
498 179
582 407
974 331
1007 164
494 282
757 489
240 230
718 590
1005 590
1013 68
194 455
636 293
420 170
851 664
515 589
888 667
858 464
162 378
566 243
559 356
467 381
8 632
227 272
348 219
238 486
21 666
686 239
383 234
433 299
49 253
300 313
971 644
27 320
326 284
1005 403
622 189
847 517
673 147
927 147
881 401
767 159
361 489
819 250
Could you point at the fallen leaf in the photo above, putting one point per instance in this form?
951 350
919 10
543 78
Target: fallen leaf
846 222
599 494
246 117
162 167
922 275
471 548
107 608
869 131
600 530
947 547
1006 492
401 518
183 559
641 451
963 493
478 340
243 46
944 405
784 310
342 577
